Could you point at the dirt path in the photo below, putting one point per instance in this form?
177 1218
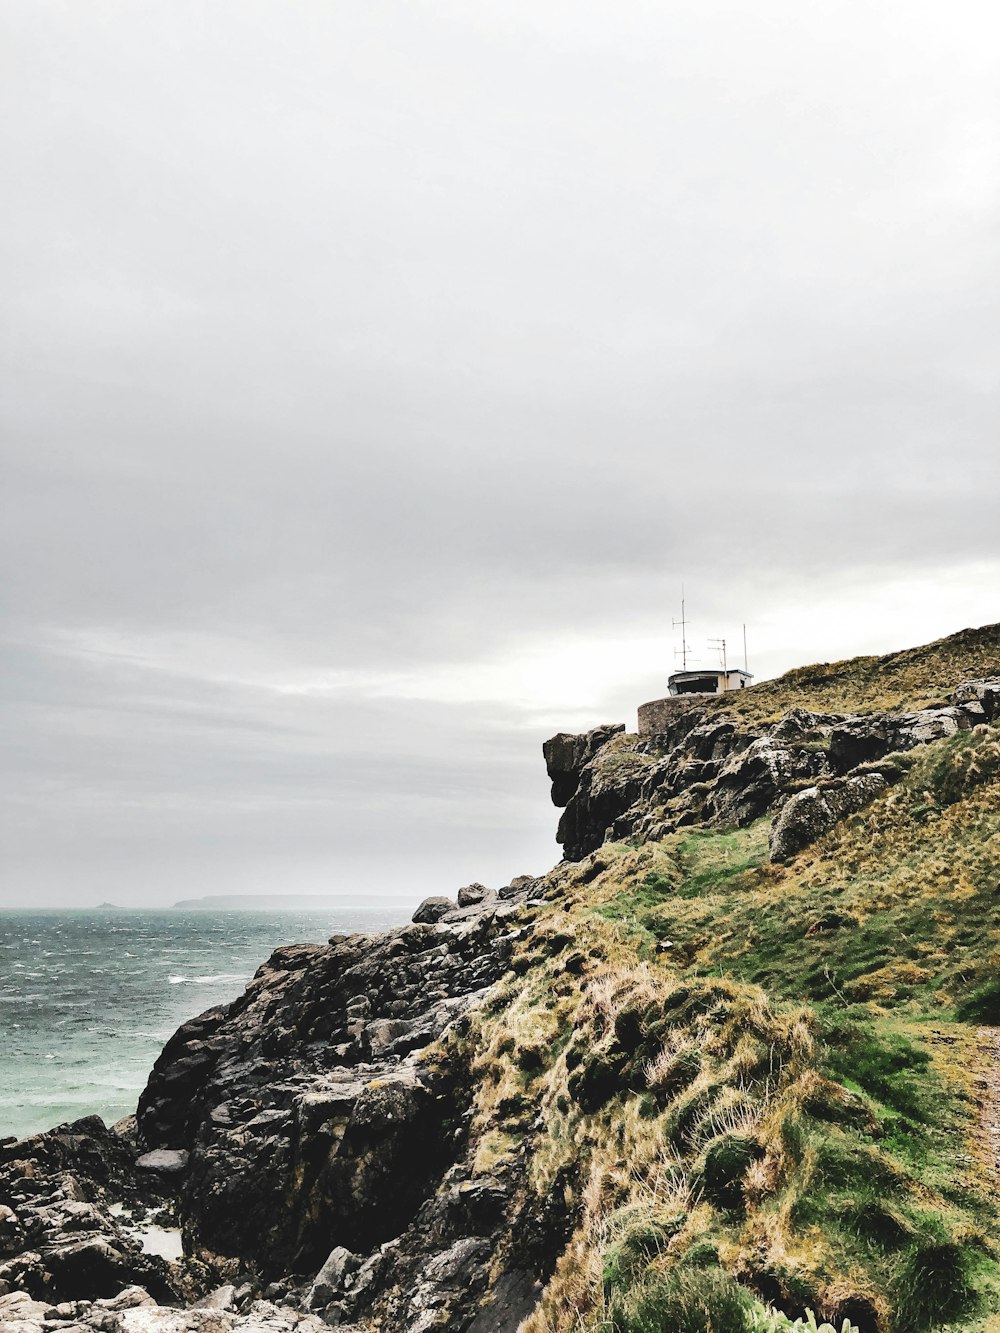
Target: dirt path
988 1138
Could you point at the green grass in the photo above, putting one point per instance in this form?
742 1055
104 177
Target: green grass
982 1005
713 862
769 1088
691 1301
890 908
904 680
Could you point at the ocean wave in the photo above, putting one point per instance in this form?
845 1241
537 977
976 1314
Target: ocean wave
215 977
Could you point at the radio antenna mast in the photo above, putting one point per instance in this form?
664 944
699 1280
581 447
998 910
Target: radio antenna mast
721 648
746 660
683 624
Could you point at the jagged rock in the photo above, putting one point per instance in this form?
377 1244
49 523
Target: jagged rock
18 1306
180 1069
799 724
304 1127
222 1298
165 1161
454 1263
11 1232
512 1299
433 909
566 755
857 740
263 1317
609 783
985 693
519 887
158 1319
704 769
127 1128
129 1299
812 812
84 1148
64 1242
308 1114
331 1279
860 740
706 766
751 781
474 894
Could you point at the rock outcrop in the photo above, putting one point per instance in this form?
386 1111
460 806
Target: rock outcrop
810 813
327 1149
567 755
310 1119
71 1200
134 1310
708 767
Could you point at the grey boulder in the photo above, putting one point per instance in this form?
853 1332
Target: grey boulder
808 814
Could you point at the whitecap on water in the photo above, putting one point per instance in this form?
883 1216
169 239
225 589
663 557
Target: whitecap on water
212 979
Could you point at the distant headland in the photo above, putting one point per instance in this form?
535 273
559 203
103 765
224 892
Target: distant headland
274 902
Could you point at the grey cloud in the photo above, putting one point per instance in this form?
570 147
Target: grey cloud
394 340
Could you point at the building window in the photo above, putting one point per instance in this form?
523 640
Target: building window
699 685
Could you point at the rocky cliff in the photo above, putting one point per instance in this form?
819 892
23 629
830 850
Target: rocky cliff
723 1064
711 767
311 1140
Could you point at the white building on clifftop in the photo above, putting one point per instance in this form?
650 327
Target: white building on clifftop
708 681
656 716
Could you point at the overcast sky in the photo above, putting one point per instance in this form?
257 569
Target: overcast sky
374 374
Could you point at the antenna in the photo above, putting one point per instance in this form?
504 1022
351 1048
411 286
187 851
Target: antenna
683 624
746 660
721 648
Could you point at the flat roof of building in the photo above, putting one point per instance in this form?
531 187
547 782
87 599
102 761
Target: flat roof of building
710 671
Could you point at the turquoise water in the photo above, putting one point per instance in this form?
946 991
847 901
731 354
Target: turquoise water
88 998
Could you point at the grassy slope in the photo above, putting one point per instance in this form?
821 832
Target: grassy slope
757 1080
905 680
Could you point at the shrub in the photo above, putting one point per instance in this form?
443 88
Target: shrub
531 1059
672 1071
658 885
703 1253
727 1160
982 1005
597 1080
830 1102
932 1285
843 1164
640 1238
966 761
687 1301
793 1138
876 1221
773 1321
682 1119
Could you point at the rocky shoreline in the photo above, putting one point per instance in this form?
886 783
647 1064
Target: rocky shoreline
310 1142
308 1151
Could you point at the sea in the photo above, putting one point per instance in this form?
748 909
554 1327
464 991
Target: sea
88 998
